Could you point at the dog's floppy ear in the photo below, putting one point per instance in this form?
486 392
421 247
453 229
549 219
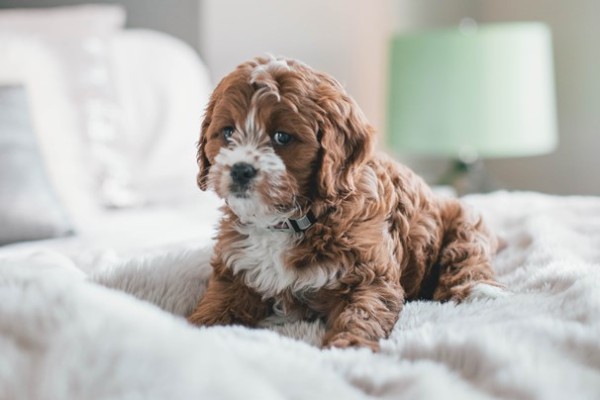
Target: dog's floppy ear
203 162
346 140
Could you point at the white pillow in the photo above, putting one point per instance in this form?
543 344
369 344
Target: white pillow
163 89
78 39
28 62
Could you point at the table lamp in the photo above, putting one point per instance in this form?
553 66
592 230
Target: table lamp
483 91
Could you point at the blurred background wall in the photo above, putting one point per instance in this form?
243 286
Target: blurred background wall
346 38
349 39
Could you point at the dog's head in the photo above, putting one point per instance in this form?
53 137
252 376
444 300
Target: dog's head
277 136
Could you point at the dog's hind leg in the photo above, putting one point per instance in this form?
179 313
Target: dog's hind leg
465 260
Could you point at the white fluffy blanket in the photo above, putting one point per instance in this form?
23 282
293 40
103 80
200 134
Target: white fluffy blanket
63 336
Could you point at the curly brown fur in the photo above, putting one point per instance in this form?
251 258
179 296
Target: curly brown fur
380 234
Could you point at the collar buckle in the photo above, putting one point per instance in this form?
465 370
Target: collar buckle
297 225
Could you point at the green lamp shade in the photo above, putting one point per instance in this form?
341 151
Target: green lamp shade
488 92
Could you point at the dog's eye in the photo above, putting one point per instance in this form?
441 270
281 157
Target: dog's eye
282 138
227 132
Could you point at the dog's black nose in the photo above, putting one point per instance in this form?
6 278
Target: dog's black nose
242 173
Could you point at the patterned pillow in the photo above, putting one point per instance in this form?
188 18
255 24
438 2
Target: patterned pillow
29 208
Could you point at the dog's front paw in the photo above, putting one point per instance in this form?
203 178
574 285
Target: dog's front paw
346 339
487 290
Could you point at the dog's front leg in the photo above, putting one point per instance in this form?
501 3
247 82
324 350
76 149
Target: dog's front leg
228 301
367 316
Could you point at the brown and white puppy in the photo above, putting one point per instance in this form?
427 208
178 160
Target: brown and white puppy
315 224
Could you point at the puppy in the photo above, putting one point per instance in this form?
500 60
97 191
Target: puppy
316 225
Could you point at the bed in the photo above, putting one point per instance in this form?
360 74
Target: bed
118 331
100 313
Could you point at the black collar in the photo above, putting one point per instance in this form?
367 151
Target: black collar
296 225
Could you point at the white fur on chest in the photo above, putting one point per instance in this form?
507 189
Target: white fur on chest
261 258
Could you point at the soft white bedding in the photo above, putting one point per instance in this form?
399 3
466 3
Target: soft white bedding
112 237
62 335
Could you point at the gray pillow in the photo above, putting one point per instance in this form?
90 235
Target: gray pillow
29 208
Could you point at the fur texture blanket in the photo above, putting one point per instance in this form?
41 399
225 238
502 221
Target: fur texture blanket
119 334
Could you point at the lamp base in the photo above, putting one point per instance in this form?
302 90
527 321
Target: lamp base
467 177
